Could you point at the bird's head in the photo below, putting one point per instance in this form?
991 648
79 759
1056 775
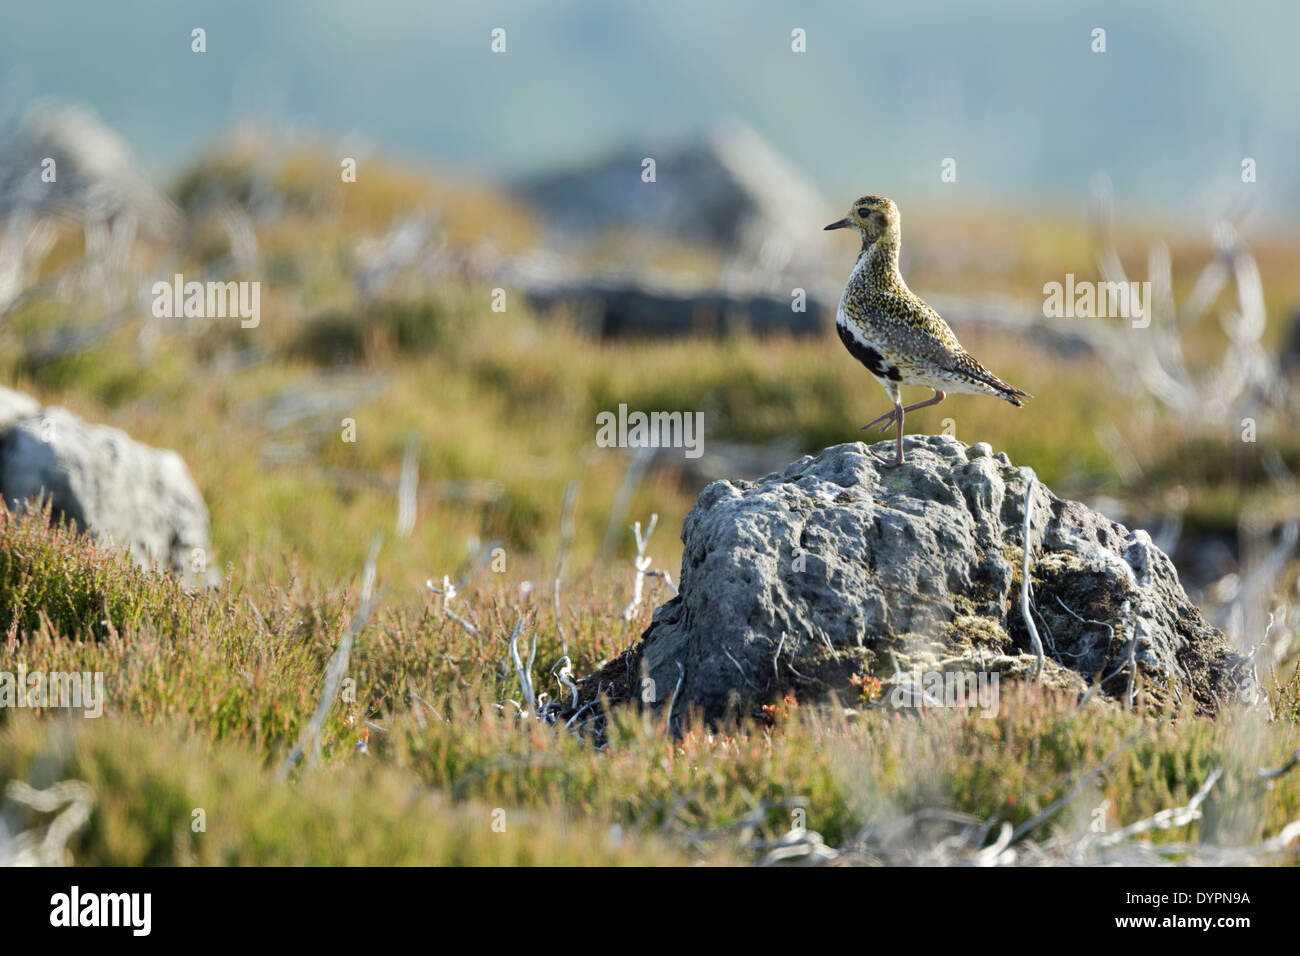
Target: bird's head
873 217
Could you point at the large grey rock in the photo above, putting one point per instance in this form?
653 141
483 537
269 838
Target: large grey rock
126 494
838 566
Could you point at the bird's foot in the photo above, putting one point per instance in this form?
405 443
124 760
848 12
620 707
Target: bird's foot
892 417
887 462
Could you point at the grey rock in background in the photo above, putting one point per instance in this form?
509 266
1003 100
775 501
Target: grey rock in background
126 494
730 189
96 176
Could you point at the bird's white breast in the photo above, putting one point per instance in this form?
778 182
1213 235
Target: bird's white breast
840 317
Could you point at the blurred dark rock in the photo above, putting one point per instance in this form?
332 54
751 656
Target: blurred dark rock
1289 359
126 494
837 566
630 309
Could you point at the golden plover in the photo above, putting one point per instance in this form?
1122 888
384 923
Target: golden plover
889 329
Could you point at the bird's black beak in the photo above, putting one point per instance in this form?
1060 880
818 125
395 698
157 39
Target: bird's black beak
840 224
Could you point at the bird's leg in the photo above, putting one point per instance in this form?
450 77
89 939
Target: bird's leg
899 459
938 397
895 415
888 417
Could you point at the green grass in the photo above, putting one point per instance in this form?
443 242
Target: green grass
162 800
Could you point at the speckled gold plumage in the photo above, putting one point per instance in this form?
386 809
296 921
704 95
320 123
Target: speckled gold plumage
889 328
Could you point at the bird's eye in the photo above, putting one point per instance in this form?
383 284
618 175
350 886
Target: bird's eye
863 212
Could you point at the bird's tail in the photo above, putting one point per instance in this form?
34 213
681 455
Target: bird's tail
1009 393
991 383
1013 395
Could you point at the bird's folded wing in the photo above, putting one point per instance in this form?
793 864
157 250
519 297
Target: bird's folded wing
925 338
917 332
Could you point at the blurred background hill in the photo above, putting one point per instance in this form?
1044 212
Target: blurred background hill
1011 89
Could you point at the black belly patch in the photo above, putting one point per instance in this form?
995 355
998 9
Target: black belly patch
873 360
